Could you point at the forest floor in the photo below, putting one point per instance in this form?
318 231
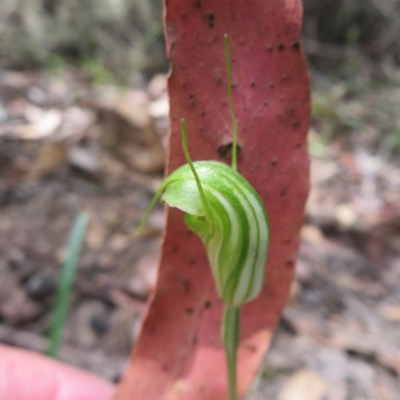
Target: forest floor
67 145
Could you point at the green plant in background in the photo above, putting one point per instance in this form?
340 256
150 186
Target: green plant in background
56 65
96 69
358 116
74 246
226 212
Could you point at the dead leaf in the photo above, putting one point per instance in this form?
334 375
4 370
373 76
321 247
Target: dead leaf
391 312
312 234
84 159
42 124
76 121
157 86
304 385
128 131
51 157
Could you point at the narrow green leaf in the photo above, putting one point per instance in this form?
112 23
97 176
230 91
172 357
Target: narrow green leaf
67 276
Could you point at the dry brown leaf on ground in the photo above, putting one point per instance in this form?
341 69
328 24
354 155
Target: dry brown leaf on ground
128 132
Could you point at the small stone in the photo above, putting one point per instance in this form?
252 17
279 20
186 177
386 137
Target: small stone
83 332
304 385
15 306
119 242
96 235
100 323
39 285
121 336
144 281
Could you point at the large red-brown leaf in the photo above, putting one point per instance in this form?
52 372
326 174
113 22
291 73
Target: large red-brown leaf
179 353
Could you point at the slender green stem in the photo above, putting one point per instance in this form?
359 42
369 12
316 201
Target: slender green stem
207 211
230 100
75 241
230 336
150 209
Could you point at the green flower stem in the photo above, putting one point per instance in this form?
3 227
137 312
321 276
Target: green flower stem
230 100
196 176
230 336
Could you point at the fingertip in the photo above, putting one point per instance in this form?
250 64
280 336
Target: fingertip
28 376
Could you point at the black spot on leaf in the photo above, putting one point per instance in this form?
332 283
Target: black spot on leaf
296 46
210 18
225 151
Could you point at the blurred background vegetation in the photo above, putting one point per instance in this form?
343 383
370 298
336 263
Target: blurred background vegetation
113 39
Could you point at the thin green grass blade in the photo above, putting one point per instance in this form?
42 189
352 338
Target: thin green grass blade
75 241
